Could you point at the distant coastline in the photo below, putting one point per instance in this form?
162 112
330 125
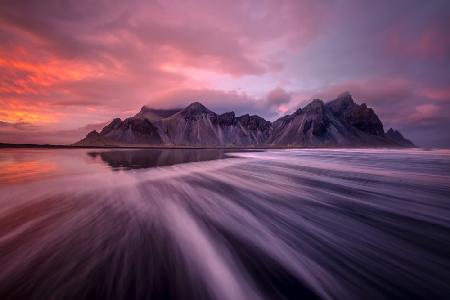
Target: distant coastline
257 147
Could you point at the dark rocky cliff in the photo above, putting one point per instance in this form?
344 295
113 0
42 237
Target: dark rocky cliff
338 123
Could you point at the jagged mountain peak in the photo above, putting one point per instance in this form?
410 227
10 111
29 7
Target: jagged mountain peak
297 112
196 107
155 114
254 122
342 102
340 122
115 123
393 131
314 105
229 114
398 138
228 117
225 119
92 134
345 95
145 108
195 111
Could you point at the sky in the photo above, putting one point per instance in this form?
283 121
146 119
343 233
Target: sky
68 67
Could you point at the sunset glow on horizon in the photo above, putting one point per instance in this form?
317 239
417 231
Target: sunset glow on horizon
68 67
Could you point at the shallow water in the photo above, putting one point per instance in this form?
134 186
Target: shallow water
190 224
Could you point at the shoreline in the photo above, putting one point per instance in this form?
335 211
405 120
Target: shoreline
173 147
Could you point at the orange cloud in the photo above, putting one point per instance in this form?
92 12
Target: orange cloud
14 111
26 75
27 82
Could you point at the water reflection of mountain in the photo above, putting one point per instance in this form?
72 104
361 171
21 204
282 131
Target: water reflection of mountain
149 158
299 224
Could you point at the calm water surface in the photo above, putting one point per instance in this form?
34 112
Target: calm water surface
209 224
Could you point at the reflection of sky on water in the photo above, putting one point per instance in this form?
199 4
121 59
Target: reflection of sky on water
333 224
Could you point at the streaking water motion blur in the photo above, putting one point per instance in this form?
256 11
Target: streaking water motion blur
189 224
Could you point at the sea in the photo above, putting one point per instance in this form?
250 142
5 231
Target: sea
224 224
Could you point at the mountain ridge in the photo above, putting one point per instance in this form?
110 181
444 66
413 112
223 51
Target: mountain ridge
337 123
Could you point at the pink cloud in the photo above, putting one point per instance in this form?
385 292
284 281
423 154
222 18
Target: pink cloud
63 66
424 112
432 43
114 58
277 97
436 93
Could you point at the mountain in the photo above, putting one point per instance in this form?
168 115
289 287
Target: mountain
338 123
94 138
197 125
396 137
154 115
129 131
